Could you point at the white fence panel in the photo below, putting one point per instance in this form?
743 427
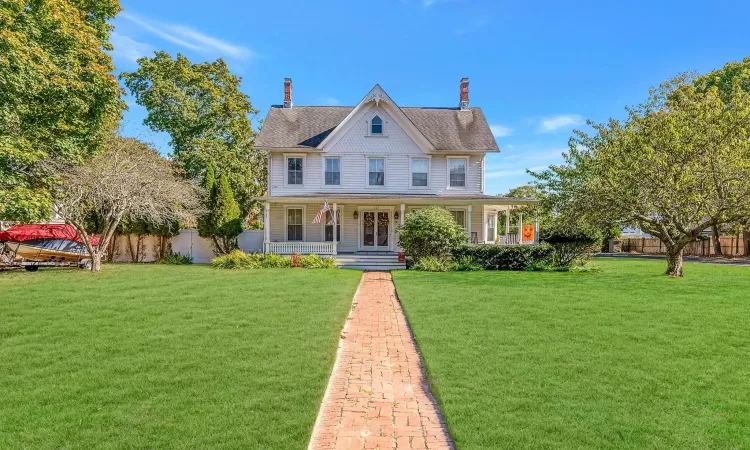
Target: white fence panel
251 241
189 243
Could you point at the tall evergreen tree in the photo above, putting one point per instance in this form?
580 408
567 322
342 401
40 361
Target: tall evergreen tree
223 221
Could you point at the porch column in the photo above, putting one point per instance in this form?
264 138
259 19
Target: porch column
468 222
520 228
335 228
495 224
507 222
403 209
267 224
485 218
536 227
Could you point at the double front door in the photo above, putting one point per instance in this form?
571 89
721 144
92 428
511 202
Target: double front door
376 230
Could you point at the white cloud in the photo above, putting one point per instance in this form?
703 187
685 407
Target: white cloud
129 49
552 124
428 3
192 39
500 131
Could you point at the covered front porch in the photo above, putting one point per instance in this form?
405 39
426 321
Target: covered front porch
367 223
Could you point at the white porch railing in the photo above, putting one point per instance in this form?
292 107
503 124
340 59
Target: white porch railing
302 248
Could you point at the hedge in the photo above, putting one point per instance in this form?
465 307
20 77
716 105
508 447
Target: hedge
507 257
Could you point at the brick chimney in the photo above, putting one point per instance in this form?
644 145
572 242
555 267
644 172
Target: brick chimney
287 92
464 98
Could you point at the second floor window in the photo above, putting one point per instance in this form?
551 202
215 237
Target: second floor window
376 171
457 172
419 172
294 170
376 126
333 172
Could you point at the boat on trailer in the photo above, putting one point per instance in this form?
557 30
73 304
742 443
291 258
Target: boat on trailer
34 246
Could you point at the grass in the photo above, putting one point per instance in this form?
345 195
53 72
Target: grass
150 356
621 358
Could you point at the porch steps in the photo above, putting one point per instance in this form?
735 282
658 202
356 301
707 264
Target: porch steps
363 261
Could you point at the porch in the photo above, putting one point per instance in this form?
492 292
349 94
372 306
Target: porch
367 223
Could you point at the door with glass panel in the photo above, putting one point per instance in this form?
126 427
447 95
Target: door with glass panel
376 230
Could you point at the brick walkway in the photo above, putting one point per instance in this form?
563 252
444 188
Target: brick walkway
378 396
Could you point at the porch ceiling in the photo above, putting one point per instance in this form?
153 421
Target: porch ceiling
411 199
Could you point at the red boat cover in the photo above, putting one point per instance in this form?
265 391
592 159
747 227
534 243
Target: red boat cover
21 233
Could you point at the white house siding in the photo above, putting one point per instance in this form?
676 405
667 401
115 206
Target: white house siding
354 147
350 227
314 232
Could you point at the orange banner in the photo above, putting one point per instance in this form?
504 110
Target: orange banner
528 233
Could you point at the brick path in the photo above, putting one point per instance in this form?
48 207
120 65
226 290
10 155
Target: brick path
378 396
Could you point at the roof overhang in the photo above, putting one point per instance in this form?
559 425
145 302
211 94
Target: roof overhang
409 199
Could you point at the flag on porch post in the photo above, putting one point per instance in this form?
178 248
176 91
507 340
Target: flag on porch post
319 216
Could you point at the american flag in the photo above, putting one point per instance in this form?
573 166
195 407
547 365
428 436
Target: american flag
319 216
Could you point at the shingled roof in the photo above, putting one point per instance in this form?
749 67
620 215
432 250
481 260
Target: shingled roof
447 129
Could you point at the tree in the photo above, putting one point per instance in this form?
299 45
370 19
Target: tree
680 163
430 231
223 222
733 77
206 115
128 179
58 100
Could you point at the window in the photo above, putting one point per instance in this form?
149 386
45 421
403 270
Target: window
376 126
459 215
329 226
294 170
457 172
294 224
376 171
333 172
420 169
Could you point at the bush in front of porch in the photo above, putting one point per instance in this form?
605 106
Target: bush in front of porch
241 260
507 257
430 232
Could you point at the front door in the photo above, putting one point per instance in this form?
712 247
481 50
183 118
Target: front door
376 230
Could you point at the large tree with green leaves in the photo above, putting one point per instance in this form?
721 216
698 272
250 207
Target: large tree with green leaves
732 78
207 116
58 99
680 163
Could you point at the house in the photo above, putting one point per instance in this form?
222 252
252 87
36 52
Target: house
374 163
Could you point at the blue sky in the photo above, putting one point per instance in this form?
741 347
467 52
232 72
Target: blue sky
538 69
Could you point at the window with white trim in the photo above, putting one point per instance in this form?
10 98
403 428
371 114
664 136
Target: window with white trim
457 172
376 126
294 168
376 171
420 170
459 215
332 171
295 224
328 232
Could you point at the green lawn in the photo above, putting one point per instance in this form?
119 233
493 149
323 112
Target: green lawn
149 356
623 358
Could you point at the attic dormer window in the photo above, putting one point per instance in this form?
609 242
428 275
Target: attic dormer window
376 126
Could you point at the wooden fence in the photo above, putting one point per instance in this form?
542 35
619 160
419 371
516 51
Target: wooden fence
730 246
